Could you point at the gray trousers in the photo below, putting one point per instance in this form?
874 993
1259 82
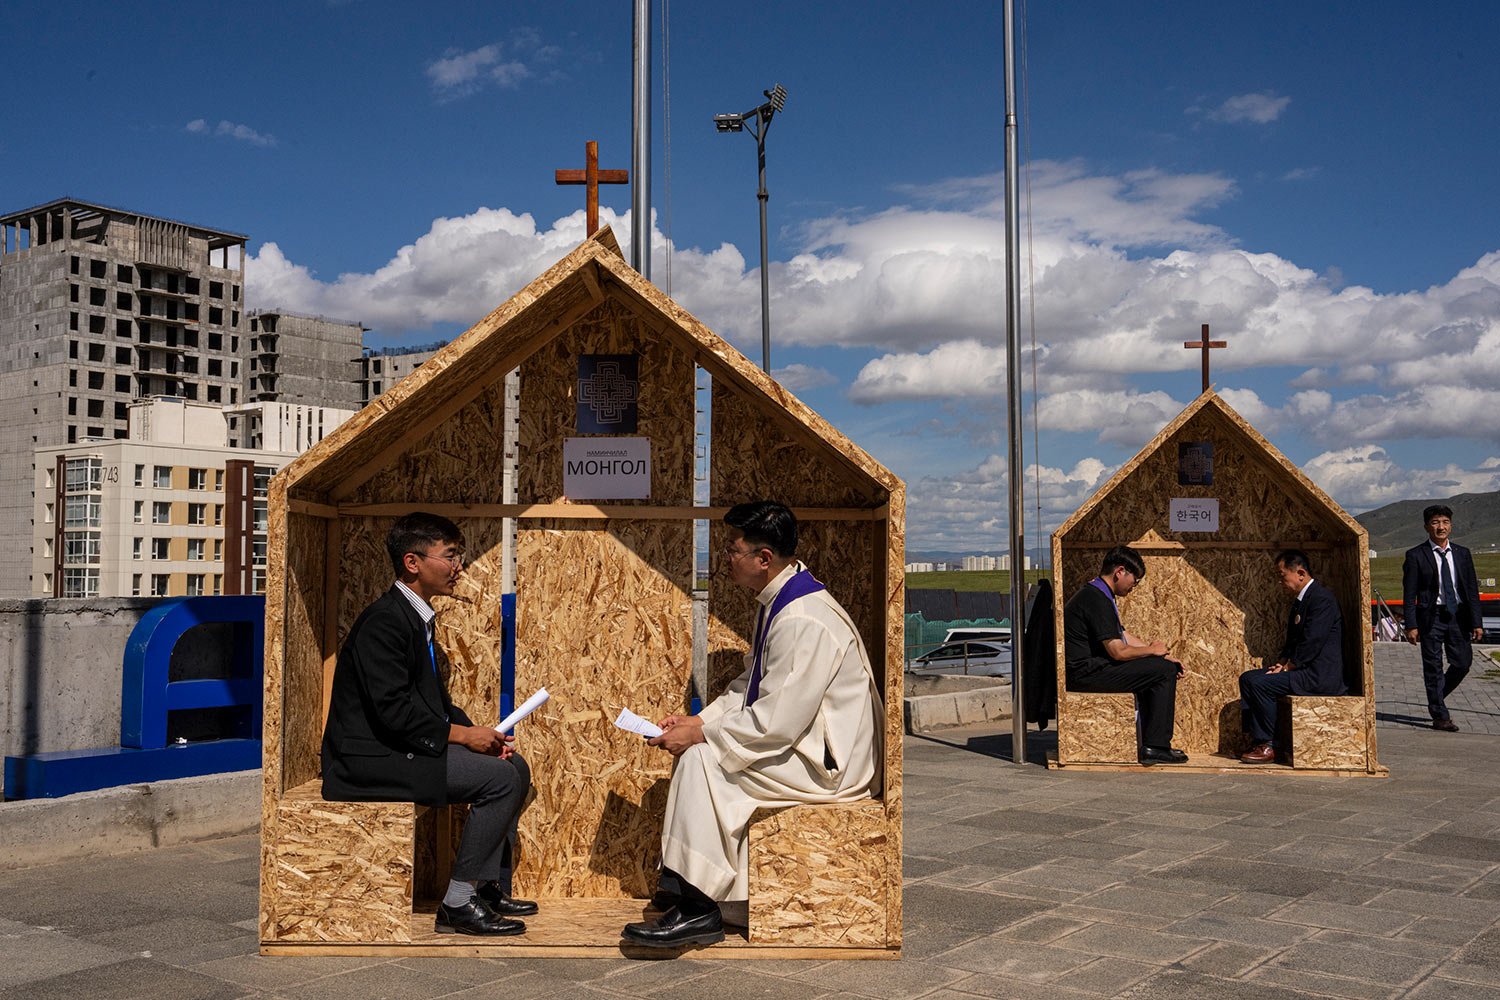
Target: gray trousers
497 791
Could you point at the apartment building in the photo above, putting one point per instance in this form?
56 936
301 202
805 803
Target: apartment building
381 368
310 360
170 511
99 307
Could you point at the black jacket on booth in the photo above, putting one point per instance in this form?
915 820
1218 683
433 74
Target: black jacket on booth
389 713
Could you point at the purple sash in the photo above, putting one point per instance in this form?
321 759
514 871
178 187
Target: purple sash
800 585
1098 581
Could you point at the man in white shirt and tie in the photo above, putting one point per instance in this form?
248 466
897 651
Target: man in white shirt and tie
1440 595
801 724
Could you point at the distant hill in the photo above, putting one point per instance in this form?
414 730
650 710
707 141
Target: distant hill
1396 527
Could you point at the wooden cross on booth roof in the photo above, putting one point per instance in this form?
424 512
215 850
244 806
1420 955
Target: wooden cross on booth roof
1206 345
592 177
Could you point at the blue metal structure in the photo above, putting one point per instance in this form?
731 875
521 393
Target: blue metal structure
148 696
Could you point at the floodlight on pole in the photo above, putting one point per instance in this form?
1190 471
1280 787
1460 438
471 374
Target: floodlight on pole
759 118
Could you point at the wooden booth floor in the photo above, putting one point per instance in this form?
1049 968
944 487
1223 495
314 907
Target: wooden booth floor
1223 763
564 928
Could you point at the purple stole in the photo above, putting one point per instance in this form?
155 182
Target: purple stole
800 585
1098 581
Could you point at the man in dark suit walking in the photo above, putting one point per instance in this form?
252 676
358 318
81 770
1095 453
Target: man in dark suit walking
1311 660
1440 595
394 735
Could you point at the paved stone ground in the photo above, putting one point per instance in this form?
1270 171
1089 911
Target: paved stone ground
1019 883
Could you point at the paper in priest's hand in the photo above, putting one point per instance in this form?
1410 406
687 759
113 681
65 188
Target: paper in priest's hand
632 723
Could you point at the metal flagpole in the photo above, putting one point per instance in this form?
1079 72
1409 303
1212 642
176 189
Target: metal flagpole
1013 389
640 160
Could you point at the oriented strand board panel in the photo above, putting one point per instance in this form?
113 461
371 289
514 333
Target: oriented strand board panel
459 461
342 871
604 621
301 708
819 875
1327 732
1259 498
1097 728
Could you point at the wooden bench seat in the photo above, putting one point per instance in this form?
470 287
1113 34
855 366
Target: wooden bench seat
1097 729
1323 732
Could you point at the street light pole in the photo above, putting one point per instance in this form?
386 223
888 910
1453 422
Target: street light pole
760 121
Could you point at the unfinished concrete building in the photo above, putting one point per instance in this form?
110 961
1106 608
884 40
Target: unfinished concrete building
100 306
381 368
309 360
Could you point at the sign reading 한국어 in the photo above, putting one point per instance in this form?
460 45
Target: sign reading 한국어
617 468
1193 515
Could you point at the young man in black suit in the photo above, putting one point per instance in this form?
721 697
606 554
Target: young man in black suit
394 735
1101 657
1440 596
1311 661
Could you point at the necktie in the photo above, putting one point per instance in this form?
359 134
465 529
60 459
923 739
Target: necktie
1450 596
432 655
752 691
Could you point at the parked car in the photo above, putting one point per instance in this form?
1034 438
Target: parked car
1491 629
978 659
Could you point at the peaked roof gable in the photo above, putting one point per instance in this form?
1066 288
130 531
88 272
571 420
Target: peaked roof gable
545 309
1237 424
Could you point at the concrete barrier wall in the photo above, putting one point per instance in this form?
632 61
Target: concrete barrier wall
61 663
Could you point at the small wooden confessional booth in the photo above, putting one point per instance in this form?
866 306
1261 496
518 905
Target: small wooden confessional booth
1208 503
603 620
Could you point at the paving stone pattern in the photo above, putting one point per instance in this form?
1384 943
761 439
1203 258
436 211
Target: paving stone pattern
1019 883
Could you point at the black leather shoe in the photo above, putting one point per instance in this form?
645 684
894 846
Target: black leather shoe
1162 755
674 930
1445 725
506 906
475 917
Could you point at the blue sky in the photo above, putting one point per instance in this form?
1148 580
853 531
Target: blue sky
1316 181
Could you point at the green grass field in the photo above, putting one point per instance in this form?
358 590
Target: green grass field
1385 577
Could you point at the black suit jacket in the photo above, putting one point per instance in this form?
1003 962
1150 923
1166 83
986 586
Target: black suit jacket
1315 643
1420 585
388 717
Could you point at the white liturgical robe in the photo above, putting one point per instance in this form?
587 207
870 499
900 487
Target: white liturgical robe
812 735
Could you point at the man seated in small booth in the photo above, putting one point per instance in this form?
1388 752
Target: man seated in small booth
1100 657
801 724
1311 660
394 735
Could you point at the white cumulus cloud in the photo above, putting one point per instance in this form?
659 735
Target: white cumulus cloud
1258 109
230 130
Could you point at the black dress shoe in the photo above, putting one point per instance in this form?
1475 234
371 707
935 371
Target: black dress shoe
506 906
675 929
475 917
1162 755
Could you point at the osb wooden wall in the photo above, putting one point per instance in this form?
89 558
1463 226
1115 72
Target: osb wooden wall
604 621
301 708
1221 611
752 458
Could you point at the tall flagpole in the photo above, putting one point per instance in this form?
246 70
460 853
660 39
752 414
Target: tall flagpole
1013 389
640 160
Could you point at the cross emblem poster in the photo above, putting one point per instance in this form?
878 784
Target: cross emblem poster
608 393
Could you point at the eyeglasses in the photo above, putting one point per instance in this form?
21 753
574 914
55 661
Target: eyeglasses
456 560
733 552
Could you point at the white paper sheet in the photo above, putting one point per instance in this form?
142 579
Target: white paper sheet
528 706
632 723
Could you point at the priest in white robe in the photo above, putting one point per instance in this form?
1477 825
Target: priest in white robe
802 724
